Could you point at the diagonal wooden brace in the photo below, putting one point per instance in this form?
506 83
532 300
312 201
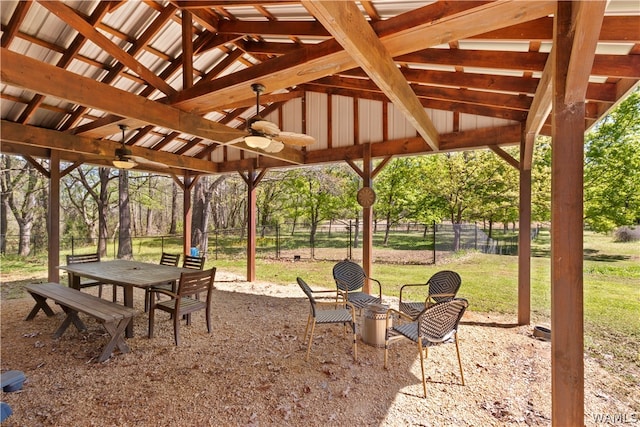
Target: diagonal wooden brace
116 338
41 304
72 317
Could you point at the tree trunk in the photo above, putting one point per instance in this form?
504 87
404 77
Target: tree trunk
149 225
103 210
125 249
4 225
174 209
202 196
387 228
356 233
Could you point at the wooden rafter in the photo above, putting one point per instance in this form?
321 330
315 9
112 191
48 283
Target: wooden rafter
327 58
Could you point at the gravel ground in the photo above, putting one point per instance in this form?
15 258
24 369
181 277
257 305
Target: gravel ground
251 371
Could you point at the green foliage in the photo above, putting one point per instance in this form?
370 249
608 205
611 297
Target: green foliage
612 169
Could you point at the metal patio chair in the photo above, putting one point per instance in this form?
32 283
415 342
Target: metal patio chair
442 286
350 279
327 312
436 325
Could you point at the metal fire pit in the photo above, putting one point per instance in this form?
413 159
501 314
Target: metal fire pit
375 322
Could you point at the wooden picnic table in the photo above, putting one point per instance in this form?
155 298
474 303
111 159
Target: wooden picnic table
125 273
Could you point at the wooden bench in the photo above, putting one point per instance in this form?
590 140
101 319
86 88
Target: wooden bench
114 317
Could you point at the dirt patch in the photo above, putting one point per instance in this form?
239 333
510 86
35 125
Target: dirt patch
251 371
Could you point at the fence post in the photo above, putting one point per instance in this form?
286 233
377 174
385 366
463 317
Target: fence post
277 240
349 251
475 245
434 242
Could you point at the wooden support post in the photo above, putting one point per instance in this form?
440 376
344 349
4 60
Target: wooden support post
252 180
567 329
54 217
187 212
251 227
367 219
524 236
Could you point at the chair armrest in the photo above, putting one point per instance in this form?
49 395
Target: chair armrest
333 304
337 292
411 284
430 298
379 286
390 312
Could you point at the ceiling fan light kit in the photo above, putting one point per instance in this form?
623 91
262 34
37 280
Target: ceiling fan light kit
122 160
124 164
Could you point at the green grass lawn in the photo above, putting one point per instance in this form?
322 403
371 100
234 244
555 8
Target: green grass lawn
611 286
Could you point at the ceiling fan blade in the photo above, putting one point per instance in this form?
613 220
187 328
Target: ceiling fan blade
143 161
297 139
265 127
275 147
235 141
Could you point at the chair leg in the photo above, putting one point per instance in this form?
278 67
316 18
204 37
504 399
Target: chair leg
306 329
176 329
355 341
422 357
208 312
313 327
386 351
459 360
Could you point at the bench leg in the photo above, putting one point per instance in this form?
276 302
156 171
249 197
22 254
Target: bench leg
41 304
116 338
72 317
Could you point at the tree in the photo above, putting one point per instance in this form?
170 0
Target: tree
318 192
612 168
398 197
541 180
202 196
459 186
96 189
20 185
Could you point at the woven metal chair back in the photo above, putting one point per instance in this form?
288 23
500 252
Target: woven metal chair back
439 323
193 262
444 282
169 259
83 258
196 282
349 276
309 293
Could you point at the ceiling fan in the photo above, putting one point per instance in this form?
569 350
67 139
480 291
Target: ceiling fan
266 135
126 160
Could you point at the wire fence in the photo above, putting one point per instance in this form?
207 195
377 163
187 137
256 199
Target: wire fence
407 243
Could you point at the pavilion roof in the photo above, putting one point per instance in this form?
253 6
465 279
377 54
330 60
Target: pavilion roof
407 77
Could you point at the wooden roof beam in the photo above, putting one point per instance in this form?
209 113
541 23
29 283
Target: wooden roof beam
347 24
99 151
